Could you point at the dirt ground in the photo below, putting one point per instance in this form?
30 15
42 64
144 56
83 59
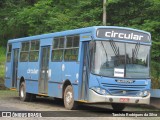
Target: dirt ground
9 101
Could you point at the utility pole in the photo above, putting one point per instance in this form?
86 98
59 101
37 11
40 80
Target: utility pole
104 12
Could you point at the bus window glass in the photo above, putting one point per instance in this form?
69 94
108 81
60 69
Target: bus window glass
72 48
55 43
34 51
25 46
24 55
9 50
109 56
33 56
76 41
8 57
71 54
61 42
34 45
57 55
69 41
58 47
137 60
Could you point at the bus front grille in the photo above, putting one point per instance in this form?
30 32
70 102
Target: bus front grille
123 89
121 92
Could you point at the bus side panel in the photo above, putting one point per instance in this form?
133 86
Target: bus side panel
75 89
33 76
8 75
22 71
33 70
55 90
31 86
8 83
55 74
55 79
71 73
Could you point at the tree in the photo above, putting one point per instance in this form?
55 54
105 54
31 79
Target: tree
104 12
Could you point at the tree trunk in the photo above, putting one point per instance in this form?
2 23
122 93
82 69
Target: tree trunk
104 12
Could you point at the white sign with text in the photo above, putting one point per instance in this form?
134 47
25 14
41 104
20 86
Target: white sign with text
118 72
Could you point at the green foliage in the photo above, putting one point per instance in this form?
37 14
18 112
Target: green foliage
2 62
155 75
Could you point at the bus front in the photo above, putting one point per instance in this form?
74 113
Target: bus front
120 67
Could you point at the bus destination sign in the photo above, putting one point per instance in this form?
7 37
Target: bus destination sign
122 34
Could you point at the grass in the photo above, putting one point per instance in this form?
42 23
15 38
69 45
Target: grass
8 93
2 71
2 64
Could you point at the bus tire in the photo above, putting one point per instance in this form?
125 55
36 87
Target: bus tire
118 106
22 93
69 102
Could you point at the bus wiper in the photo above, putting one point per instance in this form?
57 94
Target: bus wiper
104 51
135 51
116 51
114 47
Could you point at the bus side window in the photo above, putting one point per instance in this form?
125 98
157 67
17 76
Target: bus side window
76 41
34 51
57 55
58 47
24 55
72 48
9 50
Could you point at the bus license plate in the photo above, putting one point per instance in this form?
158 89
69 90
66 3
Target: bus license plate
124 99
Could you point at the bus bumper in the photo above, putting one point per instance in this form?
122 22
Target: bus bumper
97 98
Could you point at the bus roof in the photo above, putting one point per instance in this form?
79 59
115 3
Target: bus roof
72 32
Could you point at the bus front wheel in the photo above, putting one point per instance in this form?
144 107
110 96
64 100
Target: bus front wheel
118 106
69 102
22 93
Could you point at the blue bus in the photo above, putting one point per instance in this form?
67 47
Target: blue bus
99 64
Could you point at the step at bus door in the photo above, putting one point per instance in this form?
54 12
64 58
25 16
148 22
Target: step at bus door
85 71
15 67
44 70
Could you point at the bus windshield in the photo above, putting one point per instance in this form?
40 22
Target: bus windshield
108 56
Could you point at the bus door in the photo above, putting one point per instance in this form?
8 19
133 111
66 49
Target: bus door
44 70
15 67
85 71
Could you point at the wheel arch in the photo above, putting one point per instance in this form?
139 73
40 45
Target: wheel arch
21 80
65 84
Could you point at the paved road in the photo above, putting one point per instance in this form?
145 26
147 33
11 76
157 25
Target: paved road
12 103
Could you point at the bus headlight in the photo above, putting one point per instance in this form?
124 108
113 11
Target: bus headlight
143 93
103 92
99 90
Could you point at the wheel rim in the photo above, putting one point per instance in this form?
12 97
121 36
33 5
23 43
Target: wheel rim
68 97
22 91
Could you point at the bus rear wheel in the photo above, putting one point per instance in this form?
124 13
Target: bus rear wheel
118 106
22 93
69 102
